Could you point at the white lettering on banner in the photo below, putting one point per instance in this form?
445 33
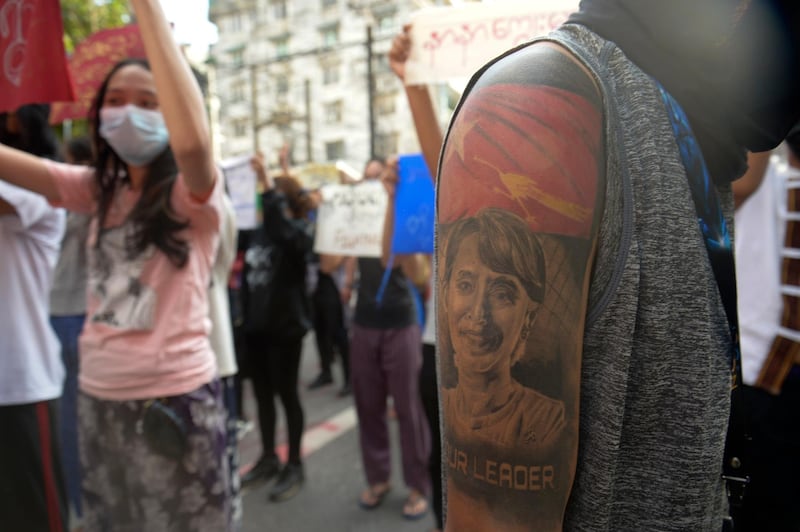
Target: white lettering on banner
350 220
11 28
453 42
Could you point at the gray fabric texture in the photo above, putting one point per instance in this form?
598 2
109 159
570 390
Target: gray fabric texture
655 385
68 295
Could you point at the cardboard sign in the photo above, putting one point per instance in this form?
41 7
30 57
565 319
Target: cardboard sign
241 181
414 207
350 220
453 42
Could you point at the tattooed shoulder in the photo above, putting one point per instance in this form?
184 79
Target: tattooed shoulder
520 193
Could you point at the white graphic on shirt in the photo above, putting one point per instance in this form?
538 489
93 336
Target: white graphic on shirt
115 280
259 259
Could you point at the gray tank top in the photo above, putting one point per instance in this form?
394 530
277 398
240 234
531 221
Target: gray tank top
655 378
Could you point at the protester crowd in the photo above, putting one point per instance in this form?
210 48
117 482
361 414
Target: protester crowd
587 326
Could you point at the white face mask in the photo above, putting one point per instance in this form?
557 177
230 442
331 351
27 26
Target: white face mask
137 135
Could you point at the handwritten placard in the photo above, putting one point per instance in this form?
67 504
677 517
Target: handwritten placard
414 207
241 181
453 42
350 220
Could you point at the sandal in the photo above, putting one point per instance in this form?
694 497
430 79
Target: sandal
416 506
373 496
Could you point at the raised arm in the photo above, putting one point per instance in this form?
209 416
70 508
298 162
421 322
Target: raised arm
519 199
180 99
429 133
27 171
413 266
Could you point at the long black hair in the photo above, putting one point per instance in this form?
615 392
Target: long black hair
154 220
34 134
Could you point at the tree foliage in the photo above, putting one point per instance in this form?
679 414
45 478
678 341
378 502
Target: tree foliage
85 17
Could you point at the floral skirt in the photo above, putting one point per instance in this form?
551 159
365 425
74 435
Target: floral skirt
129 487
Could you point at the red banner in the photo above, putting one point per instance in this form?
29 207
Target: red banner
90 63
33 66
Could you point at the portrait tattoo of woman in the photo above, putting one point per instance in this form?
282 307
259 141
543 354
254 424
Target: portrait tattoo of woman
518 209
493 284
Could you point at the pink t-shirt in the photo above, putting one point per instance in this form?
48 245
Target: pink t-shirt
147 325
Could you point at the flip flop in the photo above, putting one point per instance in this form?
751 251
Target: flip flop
376 494
416 507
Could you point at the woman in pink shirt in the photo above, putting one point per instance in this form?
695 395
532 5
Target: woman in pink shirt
150 413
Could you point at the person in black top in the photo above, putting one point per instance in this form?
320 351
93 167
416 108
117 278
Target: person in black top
277 316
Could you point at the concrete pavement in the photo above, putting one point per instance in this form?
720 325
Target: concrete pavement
334 477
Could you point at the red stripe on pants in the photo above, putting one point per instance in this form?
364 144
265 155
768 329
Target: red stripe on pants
51 495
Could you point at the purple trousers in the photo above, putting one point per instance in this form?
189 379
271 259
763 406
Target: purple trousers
383 363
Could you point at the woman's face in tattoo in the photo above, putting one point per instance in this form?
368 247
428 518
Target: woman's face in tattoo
486 313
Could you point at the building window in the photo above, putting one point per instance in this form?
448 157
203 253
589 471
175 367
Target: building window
330 74
235 23
334 150
281 47
387 142
282 85
333 112
385 103
279 9
387 23
237 57
382 63
330 35
240 127
237 91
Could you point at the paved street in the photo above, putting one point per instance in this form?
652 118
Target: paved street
334 477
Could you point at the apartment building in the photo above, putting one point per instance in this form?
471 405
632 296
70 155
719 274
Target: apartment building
300 71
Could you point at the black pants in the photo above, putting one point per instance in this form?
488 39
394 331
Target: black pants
329 326
32 490
429 390
274 364
772 499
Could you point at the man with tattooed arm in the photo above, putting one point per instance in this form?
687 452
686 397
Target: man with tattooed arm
586 376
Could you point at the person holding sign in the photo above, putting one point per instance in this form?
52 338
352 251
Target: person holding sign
429 135
277 316
603 144
151 421
385 360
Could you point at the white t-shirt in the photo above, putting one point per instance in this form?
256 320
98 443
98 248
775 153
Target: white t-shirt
30 358
221 336
760 231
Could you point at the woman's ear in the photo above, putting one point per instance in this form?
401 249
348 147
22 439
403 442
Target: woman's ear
530 319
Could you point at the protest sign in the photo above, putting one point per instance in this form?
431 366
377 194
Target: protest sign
314 175
350 220
414 207
241 181
453 42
